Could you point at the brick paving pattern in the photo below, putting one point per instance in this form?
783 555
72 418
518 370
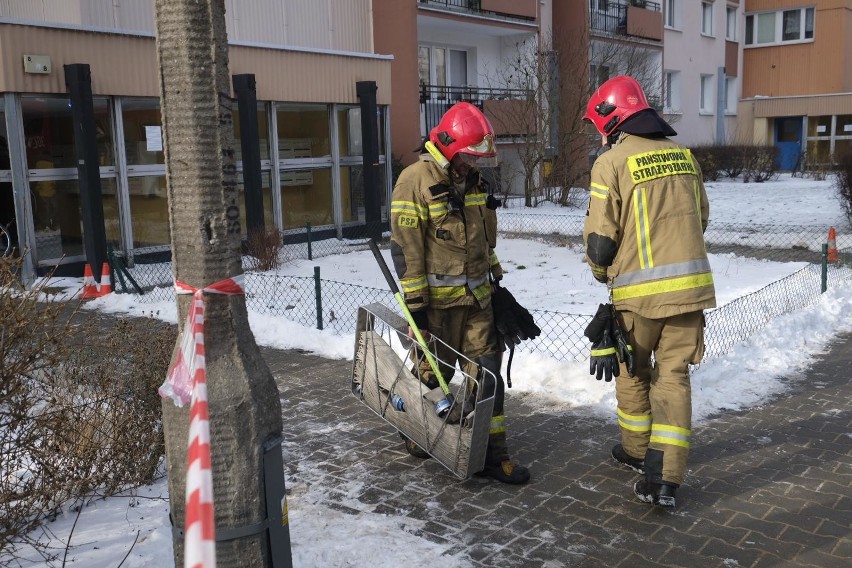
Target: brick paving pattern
769 486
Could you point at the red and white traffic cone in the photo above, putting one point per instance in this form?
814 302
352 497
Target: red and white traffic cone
832 245
90 288
106 282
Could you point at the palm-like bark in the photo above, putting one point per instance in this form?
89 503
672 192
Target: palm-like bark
205 227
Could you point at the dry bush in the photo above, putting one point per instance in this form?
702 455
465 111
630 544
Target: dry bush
843 182
760 163
79 409
264 249
708 161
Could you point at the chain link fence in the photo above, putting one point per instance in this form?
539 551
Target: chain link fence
332 305
781 243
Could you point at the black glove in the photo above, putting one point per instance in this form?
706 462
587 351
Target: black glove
600 323
514 323
604 361
623 348
421 319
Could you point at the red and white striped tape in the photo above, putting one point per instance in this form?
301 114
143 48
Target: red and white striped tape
187 381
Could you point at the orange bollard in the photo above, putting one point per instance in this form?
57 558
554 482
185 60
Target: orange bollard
106 282
90 288
832 245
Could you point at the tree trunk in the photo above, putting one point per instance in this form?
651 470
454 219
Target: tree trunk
244 404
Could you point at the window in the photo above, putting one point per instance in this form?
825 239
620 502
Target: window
707 18
442 66
672 13
786 26
731 23
598 75
705 103
671 93
730 95
791 26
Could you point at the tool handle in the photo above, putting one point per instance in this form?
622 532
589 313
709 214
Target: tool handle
384 267
415 330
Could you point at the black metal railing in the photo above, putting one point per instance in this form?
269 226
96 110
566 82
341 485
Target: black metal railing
469 6
611 15
436 99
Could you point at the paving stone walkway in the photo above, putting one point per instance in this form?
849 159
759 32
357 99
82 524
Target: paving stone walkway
769 486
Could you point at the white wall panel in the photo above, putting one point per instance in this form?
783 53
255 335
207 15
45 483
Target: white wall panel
341 25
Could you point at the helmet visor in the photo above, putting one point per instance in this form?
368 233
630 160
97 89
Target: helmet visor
477 161
485 147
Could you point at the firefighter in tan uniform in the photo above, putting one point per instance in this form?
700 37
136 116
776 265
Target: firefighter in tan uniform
443 233
644 236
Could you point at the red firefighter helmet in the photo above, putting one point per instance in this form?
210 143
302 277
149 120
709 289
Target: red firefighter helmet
614 102
464 130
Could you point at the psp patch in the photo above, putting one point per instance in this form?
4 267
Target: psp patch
408 222
660 163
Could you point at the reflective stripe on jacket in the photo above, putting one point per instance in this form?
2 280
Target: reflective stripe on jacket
443 238
647 196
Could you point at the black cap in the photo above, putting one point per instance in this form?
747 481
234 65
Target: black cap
647 123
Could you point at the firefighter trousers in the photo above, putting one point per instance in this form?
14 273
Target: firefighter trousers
470 330
655 406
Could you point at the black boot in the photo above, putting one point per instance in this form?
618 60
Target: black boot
506 472
412 448
662 494
625 459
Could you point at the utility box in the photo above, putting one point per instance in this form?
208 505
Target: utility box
37 64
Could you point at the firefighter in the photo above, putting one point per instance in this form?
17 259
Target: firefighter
443 233
644 238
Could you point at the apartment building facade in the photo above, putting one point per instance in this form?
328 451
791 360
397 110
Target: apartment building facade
304 59
702 63
797 78
476 50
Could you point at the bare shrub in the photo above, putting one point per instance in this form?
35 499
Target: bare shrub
761 163
79 409
815 165
843 182
264 249
708 160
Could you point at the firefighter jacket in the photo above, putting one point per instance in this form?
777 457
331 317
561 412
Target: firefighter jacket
443 237
644 229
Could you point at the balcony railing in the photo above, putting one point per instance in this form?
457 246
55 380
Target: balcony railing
436 99
614 17
523 10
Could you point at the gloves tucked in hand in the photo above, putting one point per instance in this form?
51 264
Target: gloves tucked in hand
609 345
514 323
623 348
604 361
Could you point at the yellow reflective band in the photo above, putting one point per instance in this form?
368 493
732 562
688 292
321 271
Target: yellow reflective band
671 435
447 292
492 259
668 441
409 207
497 425
634 422
602 352
481 292
474 199
697 198
413 284
662 286
598 190
673 429
660 163
437 209
643 228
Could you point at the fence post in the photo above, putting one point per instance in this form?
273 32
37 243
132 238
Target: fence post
308 232
318 289
824 279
